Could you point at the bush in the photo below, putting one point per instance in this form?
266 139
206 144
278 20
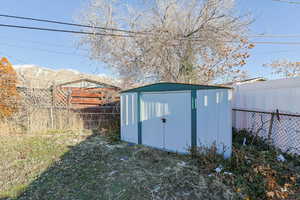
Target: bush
253 170
8 89
114 133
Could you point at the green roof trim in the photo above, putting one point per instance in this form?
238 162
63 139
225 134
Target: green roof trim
159 87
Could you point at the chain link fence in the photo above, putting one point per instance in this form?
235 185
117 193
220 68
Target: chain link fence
36 119
43 109
280 129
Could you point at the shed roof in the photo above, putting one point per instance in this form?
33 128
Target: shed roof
240 82
98 83
165 86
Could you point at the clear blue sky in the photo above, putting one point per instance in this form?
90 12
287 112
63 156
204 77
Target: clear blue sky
58 50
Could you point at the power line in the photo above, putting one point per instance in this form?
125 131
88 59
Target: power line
274 36
276 52
131 36
120 30
281 43
13 57
46 43
251 42
266 36
63 30
70 24
286 1
45 50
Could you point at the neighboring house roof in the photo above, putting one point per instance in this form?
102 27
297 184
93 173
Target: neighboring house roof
245 81
86 83
165 86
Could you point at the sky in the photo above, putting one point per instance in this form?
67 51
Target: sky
60 50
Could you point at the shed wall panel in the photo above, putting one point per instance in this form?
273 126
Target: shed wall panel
175 108
129 123
214 120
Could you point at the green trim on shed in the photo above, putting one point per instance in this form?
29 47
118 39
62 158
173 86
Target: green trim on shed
165 87
139 118
194 118
159 87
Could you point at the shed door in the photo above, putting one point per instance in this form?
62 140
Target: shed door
166 120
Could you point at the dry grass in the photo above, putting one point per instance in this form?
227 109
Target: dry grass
41 120
76 167
253 170
72 165
24 157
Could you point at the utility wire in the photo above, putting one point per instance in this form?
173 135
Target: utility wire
283 43
45 50
70 24
12 57
34 42
127 31
286 1
63 30
38 42
274 36
251 42
131 36
122 30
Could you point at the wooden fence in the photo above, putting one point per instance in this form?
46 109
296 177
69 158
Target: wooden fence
48 109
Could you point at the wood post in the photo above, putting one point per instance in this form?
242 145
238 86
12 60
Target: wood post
53 97
51 118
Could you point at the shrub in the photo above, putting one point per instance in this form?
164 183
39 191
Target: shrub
253 170
8 89
113 133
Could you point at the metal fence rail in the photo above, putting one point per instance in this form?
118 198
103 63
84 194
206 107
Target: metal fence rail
281 129
43 118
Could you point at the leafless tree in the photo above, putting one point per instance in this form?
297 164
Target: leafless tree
195 41
285 68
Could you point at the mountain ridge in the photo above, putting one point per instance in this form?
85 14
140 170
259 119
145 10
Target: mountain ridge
42 77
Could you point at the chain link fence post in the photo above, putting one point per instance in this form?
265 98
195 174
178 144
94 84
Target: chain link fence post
271 127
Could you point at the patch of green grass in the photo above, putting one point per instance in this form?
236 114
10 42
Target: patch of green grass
14 191
23 158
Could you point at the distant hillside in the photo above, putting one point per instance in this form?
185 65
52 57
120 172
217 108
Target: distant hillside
41 77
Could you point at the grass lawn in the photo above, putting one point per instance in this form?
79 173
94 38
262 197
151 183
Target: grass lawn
70 166
88 167
24 157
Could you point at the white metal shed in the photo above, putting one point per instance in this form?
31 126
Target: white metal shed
176 117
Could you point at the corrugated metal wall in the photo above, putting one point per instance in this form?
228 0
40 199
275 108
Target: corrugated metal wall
166 120
129 115
214 119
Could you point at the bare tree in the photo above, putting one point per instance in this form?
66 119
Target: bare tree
285 68
196 41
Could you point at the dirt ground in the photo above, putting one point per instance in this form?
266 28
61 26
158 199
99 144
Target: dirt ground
87 166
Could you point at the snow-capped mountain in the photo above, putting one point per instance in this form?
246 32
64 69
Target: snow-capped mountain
41 77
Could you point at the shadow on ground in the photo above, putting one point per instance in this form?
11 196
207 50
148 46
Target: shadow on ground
96 169
77 175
